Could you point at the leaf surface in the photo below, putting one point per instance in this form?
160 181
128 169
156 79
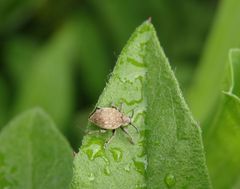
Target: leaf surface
204 94
222 136
168 151
33 154
49 83
4 98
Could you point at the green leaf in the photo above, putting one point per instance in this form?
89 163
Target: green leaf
49 83
14 13
234 57
204 93
19 53
3 102
168 151
33 154
91 71
222 136
119 26
77 131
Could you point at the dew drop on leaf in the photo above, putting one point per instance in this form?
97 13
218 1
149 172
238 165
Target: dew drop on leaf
140 164
107 171
170 180
127 167
91 177
117 154
94 149
141 186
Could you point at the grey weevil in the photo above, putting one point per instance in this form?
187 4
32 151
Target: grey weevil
111 118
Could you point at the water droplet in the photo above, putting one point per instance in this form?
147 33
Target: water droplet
107 170
117 154
140 114
140 164
127 167
93 152
91 177
141 186
135 89
105 159
94 149
170 180
135 62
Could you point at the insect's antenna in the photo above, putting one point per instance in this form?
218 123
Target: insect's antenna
96 108
132 114
134 127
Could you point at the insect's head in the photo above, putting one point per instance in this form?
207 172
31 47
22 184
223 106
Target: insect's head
126 120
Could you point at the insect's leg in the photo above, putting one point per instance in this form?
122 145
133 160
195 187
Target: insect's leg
126 131
96 108
132 123
118 108
134 127
74 153
110 139
132 114
114 106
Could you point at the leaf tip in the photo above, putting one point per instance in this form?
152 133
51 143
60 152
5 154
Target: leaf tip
149 19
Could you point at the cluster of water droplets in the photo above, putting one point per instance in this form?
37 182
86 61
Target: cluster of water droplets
131 71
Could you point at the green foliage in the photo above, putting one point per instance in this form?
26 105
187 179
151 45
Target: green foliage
57 55
48 83
13 13
3 102
204 93
19 57
92 71
33 154
173 137
143 81
222 136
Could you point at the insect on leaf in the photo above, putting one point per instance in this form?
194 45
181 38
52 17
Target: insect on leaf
168 150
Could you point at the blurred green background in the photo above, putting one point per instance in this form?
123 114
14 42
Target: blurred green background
58 54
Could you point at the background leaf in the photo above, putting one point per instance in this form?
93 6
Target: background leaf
169 145
222 135
14 13
204 93
3 102
92 69
19 54
40 158
49 82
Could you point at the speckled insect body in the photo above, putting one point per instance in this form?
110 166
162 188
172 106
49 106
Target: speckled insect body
111 118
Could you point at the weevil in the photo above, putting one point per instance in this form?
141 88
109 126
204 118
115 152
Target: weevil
111 118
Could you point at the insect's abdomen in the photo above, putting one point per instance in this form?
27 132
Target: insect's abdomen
107 118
